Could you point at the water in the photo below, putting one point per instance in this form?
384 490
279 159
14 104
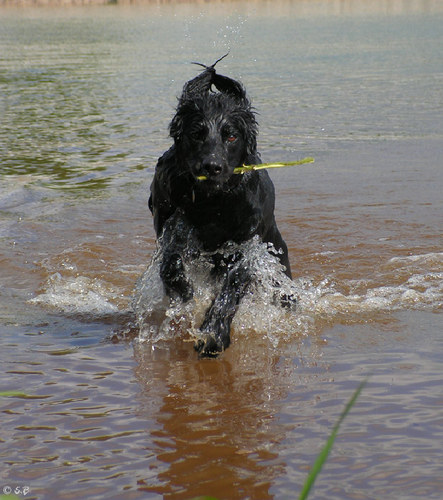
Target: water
86 97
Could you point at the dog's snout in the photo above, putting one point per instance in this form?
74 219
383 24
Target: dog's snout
212 168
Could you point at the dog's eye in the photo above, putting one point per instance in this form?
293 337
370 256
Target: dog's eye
198 134
231 138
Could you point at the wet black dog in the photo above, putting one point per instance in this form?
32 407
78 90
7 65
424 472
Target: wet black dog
195 188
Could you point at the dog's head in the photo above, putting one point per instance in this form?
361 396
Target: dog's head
214 132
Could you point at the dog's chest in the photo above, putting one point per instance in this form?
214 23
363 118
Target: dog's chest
229 220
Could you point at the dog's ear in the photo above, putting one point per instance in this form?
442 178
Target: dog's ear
228 86
198 85
251 139
203 82
177 124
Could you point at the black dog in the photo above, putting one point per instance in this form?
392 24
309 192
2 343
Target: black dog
195 190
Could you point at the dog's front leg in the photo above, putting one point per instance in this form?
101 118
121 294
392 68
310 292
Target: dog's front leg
175 242
172 273
217 324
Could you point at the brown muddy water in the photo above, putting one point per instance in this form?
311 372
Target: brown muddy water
86 96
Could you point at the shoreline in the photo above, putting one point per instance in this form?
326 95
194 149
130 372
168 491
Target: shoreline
343 6
73 3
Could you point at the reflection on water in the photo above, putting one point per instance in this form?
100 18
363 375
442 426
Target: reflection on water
86 97
216 422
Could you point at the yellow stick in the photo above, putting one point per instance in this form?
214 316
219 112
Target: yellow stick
248 168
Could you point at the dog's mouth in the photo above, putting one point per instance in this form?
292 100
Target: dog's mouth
212 186
213 178
217 183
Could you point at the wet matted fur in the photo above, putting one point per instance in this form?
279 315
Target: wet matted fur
195 189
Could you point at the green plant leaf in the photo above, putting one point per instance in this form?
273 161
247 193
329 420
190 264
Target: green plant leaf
323 455
12 394
23 395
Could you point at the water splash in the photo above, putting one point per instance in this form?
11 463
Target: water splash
318 303
78 295
230 34
260 308
223 36
412 282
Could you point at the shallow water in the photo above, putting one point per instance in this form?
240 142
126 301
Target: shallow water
86 97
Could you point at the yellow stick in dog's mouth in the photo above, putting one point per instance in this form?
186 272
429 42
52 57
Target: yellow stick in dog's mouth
260 166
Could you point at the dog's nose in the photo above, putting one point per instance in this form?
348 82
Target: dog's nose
212 168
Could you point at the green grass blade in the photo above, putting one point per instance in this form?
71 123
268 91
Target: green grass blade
323 455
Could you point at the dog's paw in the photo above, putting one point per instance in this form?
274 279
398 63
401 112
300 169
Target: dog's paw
288 301
282 299
207 346
285 300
